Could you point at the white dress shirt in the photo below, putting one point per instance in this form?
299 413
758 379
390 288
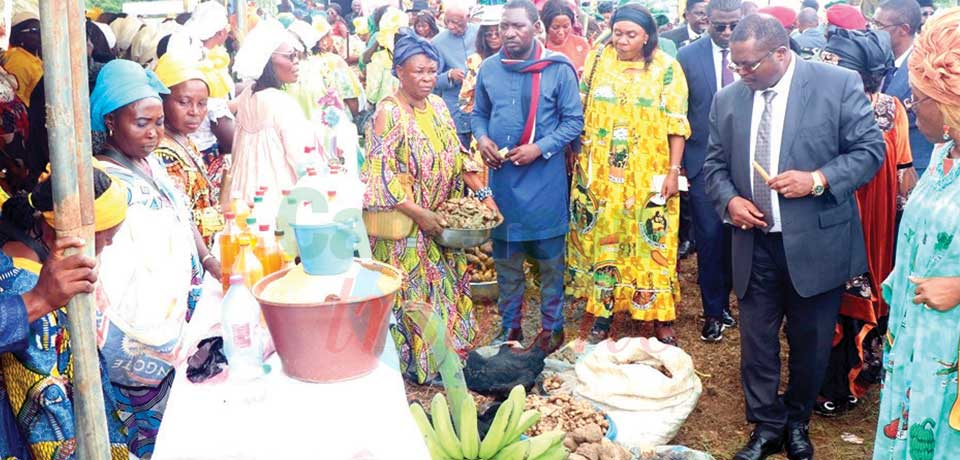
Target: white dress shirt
900 60
693 35
779 108
718 64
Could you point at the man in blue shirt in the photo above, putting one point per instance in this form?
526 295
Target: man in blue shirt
527 111
455 45
24 298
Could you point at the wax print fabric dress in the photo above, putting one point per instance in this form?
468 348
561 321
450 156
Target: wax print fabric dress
622 247
187 170
424 146
919 412
38 379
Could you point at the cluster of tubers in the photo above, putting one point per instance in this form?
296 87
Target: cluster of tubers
587 444
563 411
481 264
468 213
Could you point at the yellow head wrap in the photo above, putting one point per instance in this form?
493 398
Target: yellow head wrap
172 70
935 63
361 26
109 209
323 27
94 13
390 23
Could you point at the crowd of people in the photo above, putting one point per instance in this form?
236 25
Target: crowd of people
806 156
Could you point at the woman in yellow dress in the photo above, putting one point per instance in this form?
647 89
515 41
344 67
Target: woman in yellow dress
623 241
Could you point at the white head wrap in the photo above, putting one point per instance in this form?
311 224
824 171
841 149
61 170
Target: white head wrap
143 50
168 27
23 16
207 19
125 29
258 46
184 46
107 33
306 33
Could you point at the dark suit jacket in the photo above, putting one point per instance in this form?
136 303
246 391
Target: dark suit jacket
697 63
920 147
829 126
680 35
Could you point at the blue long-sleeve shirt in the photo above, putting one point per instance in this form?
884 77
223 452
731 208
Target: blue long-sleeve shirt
14 328
454 52
534 199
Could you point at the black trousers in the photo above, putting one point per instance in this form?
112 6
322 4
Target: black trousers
770 298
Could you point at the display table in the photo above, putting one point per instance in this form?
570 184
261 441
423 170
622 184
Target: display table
277 417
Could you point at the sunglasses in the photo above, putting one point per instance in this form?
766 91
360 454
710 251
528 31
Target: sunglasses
293 56
721 27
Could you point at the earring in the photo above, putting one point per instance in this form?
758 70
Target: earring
946 133
109 132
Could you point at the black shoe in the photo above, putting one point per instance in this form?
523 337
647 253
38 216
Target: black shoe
798 443
685 249
729 322
712 330
509 335
760 446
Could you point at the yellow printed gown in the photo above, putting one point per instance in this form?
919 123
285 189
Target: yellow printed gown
623 241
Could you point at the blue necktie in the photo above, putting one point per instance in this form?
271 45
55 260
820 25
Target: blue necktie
887 79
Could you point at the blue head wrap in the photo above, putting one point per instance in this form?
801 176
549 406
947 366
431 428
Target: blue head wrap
119 83
408 44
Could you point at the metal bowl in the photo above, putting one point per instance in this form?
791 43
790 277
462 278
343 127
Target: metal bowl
488 291
455 238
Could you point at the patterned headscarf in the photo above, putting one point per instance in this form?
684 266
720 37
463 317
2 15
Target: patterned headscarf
935 63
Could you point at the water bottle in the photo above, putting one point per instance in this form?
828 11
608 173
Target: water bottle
242 341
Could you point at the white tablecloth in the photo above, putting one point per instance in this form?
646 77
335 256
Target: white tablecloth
277 417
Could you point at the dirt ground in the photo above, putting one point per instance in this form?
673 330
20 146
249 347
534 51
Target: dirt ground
718 424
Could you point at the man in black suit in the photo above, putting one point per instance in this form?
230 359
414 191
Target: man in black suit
696 17
706 65
797 237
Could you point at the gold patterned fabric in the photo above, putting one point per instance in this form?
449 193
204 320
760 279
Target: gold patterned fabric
622 247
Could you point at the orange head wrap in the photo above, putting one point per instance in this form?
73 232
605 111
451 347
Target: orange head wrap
935 63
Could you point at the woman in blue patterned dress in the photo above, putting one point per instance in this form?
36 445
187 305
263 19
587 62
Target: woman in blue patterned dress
919 412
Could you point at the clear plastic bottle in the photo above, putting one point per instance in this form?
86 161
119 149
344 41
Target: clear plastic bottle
242 339
247 264
229 246
250 224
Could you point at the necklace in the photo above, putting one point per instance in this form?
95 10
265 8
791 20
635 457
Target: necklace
191 153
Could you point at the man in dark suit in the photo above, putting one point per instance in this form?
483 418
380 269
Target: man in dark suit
797 237
695 16
706 65
902 20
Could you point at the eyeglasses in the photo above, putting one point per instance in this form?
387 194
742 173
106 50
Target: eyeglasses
875 24
927 13
911 103
292 56
751 68
722 27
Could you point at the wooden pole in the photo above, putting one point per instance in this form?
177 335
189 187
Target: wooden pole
68 123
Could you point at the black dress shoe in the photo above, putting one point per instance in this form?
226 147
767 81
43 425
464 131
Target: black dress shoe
509 335
549 341
728 320
798 443
712 330
760 446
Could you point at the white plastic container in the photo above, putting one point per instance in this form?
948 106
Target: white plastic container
242 339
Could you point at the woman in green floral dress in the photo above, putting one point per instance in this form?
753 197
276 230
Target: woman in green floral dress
919 412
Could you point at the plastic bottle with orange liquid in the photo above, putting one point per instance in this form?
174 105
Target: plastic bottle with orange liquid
229 246
268 251
247 264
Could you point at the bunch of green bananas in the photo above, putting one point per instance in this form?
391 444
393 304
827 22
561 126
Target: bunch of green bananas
502 441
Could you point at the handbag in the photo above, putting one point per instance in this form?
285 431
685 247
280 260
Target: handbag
393 224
